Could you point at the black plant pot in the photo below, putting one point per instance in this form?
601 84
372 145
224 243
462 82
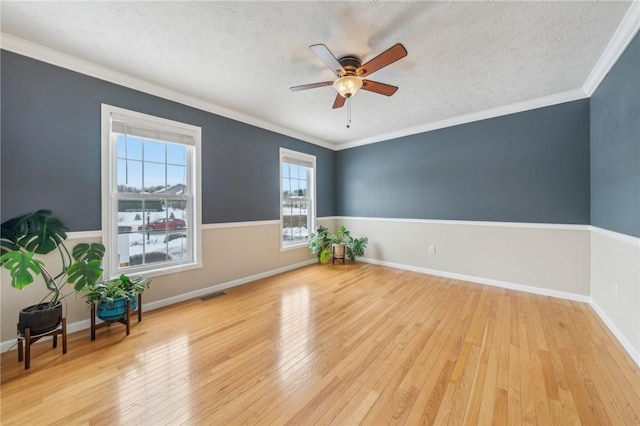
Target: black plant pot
40 318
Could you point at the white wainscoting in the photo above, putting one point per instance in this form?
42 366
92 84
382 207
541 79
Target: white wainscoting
550 259
576 262
615 285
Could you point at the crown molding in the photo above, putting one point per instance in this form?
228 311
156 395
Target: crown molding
63 60
621 38
542 102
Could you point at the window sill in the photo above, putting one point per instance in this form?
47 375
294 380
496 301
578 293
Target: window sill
168 270
294 247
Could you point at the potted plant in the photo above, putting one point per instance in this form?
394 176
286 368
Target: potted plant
325 245
320 244
25 237
111 296
339 243
356 246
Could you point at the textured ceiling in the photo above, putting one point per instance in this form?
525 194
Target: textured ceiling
464 57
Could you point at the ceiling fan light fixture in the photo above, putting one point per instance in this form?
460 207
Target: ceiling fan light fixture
348 85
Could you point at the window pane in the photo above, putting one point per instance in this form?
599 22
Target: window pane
154 248
285 170
176 179
154 179
155 151
286 188
129 147
176 154
178 235
129 219
121 147
129 176
147 246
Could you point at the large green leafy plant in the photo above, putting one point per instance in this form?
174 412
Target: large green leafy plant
115 288
24 237
320 243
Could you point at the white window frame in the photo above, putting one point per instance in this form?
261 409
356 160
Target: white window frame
110 195
311 183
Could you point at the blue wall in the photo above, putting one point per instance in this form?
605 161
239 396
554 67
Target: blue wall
51 149
577 162
615 146
527 167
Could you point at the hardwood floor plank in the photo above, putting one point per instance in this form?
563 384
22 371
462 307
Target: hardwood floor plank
514 410
362 409
337 344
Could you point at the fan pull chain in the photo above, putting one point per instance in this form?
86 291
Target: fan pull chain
348 112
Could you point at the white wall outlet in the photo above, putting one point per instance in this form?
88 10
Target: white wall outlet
432 249
616 289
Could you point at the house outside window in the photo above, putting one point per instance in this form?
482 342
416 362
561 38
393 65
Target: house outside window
297 198
151 193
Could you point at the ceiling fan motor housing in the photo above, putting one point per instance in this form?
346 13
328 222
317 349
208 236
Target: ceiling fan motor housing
350 64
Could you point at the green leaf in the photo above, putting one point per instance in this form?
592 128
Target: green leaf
84 273
7 245
356 247
325 256
22 267
84 251
37 232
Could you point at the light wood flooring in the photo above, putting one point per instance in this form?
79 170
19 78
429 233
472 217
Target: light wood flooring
352 344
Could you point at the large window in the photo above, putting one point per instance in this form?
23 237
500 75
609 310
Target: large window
297 197
151 198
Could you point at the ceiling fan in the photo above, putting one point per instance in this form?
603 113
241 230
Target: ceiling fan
350 72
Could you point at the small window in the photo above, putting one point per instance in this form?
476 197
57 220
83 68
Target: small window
151 202
297 197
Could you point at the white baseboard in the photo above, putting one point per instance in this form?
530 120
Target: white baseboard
480 280
633 353
86 324
219 287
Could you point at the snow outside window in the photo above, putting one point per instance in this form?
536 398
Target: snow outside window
151 202
297 198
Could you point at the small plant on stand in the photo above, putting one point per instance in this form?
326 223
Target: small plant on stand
321 242
115 288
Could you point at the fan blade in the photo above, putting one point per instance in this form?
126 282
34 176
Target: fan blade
387 57
381 88
327 57
310 86
339 102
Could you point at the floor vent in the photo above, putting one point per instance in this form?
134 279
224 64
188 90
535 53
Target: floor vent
213 295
